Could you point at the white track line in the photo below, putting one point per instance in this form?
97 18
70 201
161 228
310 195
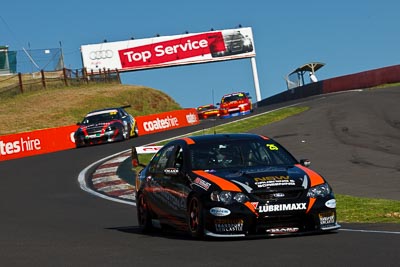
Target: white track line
84 187
370 231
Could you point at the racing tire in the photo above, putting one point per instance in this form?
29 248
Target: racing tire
195 217
125 134
134 132
143 214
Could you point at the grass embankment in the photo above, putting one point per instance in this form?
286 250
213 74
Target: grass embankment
66 106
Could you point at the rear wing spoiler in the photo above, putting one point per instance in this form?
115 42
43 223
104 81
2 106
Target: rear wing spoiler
136 151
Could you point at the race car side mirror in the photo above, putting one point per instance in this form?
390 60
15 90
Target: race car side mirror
305 162
135 158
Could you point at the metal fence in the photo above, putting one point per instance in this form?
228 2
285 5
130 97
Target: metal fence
13 84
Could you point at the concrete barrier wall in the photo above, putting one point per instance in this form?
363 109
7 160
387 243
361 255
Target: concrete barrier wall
360 80
292 94
364 79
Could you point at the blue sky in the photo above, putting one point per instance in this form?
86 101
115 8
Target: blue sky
348 36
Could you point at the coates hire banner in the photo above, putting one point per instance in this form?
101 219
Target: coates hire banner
166 121
36 142
168 51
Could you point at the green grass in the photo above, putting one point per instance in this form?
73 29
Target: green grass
366 210
349 209
255 121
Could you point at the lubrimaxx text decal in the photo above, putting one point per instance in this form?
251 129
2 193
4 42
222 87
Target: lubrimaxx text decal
20 145
282 207
172 50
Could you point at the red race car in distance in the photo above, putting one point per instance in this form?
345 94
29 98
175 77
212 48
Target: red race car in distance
235 104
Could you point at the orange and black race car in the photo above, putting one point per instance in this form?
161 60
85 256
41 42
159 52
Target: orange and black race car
232 185
104 126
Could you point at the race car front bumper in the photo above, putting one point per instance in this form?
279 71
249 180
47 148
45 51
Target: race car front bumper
245 223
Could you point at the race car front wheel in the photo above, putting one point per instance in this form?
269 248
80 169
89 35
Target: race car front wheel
143 214
136 131
195 217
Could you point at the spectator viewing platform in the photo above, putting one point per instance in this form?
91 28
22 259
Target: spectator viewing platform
296 77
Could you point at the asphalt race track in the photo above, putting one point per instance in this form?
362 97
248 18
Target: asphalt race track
352 138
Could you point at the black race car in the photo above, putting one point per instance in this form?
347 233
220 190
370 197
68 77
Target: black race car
105 125
232 185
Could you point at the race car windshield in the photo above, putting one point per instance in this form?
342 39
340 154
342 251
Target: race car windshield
206 108
104 117
233 98
238 155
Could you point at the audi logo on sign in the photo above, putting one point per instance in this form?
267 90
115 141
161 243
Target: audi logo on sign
101 54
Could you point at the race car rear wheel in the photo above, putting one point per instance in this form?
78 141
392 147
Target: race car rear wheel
195 217
143 214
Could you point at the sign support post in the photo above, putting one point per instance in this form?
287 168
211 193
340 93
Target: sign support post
255 77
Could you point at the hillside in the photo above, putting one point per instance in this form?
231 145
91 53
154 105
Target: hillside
65 106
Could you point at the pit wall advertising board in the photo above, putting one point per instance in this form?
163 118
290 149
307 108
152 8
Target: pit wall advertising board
166 121
36 142
166 51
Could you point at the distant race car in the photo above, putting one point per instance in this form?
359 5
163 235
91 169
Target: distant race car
232 185
104 126
235 104
207 111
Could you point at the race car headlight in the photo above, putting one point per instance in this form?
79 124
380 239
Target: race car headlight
241 198
321 190
228 197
